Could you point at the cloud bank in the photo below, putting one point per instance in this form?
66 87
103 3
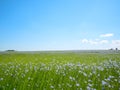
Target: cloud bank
107 35
94 42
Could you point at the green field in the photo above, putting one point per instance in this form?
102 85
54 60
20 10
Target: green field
60 70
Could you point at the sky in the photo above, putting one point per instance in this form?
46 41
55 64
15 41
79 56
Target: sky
27 25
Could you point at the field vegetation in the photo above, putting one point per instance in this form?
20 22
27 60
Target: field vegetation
60 70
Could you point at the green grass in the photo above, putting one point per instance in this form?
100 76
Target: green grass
59 71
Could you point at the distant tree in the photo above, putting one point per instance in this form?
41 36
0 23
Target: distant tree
116 49
10 50
111 49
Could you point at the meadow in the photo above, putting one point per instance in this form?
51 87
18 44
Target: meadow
60 70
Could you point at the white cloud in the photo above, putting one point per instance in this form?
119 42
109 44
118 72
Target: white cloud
117 42
84 41
107 35
114 44
104 41
94 42
90 41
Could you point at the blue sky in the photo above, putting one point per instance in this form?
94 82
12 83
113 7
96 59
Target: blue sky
59 24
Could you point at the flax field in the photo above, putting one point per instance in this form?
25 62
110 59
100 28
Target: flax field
60 70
